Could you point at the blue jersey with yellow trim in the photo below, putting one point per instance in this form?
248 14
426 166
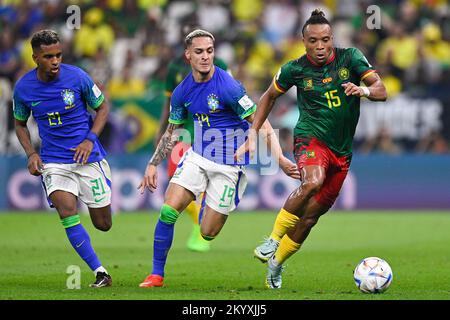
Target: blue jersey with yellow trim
60 110
218 107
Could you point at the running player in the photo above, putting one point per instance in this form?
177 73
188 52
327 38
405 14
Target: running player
71 162
328 95
178 69
221 109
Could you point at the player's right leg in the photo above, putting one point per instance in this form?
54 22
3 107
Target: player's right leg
289 215
195 241
188 182
66 205
312 158
291 242
176 200
316 207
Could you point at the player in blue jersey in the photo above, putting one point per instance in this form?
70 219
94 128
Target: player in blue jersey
71 162
221 111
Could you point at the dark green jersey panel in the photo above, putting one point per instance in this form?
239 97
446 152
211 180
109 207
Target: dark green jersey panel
325 111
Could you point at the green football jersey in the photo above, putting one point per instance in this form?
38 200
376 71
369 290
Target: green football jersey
326 113
178 69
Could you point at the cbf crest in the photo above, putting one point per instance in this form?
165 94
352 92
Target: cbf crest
213 103
68 97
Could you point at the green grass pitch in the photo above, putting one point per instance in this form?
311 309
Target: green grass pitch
35 254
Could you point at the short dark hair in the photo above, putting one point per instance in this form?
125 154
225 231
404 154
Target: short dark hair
197 34
44 37
317 17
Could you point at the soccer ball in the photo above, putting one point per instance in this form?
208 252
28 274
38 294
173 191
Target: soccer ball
373 275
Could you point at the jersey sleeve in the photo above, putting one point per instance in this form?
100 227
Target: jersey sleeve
283 80
236 97
178 112
92 95
20 110
360 64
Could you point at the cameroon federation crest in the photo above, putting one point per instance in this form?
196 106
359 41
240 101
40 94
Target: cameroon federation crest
343 73
68 97
308 84
213 103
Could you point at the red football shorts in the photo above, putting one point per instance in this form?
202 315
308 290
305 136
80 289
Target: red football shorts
311 151
175 156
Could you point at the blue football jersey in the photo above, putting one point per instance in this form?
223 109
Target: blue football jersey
218 107
60 110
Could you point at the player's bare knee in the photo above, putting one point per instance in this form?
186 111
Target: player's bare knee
208 233
65 209
311 187
310 222
104 225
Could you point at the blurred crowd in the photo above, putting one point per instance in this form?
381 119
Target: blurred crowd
126 46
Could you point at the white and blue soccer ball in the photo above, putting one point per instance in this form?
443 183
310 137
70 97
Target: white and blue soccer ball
373 275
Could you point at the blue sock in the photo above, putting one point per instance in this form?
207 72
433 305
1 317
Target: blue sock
161 245
80 241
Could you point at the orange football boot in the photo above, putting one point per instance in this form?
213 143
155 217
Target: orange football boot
153 280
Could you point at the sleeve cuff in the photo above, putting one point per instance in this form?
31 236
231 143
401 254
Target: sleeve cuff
249 112
99 102
176 121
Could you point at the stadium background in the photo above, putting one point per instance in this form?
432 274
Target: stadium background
401 161
401 146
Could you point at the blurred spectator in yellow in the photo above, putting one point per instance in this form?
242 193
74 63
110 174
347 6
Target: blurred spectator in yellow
247 10
434 47
93 34
125 84
399 49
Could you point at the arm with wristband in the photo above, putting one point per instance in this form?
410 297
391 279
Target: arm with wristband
84 149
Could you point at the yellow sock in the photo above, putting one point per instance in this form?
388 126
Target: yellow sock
193 210
283 223
286 249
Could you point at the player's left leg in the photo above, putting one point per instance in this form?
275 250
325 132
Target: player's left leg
212 222
101 217
224 191
95 191
195 241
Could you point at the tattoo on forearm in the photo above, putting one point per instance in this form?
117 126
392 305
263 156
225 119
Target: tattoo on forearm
168 141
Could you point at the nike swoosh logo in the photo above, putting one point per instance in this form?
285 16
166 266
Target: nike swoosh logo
80 244
34 104
98 200
187 104
266 253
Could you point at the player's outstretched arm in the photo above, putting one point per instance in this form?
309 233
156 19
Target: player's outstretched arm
165 146
35 165
374 90
257 119
273 144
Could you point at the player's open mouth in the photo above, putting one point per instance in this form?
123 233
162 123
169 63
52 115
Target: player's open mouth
54 70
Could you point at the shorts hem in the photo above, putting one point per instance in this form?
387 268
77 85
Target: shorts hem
219 210
189 188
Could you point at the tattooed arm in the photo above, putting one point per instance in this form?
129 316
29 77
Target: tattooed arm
165 146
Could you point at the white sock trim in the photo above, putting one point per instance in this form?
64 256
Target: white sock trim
100 269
